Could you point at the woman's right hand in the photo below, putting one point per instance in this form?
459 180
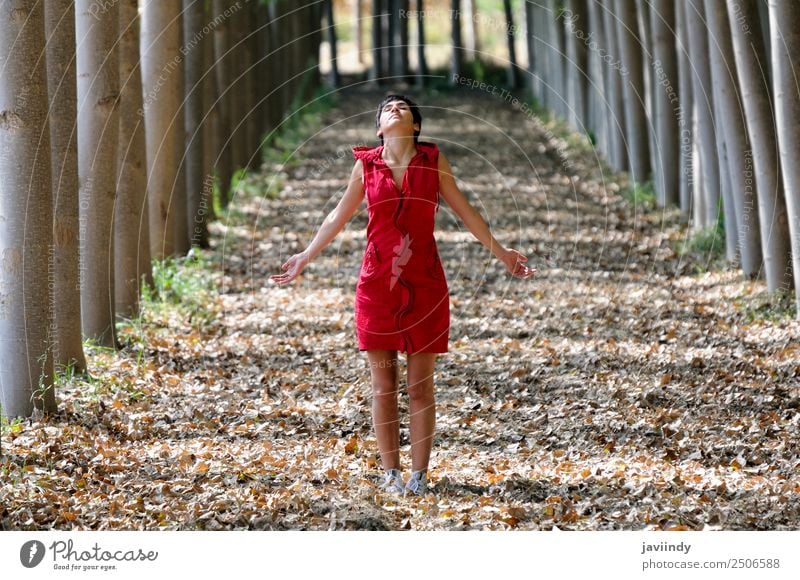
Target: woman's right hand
292 268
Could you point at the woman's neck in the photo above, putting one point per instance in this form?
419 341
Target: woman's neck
399 147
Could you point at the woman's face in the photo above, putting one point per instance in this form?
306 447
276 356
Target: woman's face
396 117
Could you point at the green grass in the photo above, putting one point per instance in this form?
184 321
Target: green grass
767 307
641 195
182 286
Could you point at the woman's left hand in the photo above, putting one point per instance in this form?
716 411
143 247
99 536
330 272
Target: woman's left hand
515 263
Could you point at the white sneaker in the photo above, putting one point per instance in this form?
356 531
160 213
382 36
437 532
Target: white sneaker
393 482
418 484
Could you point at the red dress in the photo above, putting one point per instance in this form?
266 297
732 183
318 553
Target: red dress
402 300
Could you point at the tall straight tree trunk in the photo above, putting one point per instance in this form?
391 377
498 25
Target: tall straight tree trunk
210 129
686 176
193 70
558 67
335 82
161 83
98 133
63 96
392 34
575 21
706 169
665 85
613 82
457 56
785 35
472 41
178 203
531 78
422 65
377 71
358 29
633 88
513 67
222 58
751 58
732 124
237 89
26 204
131 219
646 49
598 110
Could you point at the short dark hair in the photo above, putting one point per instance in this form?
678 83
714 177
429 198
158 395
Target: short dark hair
411 105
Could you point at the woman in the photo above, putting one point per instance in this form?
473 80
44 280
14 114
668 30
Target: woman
402 300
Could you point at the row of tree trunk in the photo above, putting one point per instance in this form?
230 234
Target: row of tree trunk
699 96
117 119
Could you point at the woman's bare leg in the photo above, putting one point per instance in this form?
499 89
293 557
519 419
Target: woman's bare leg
422 407
385 416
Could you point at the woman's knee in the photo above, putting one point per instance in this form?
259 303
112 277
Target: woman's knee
420 388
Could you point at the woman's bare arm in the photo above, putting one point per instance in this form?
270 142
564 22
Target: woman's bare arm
474 222
330 228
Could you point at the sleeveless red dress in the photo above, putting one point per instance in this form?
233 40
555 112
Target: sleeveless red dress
402 300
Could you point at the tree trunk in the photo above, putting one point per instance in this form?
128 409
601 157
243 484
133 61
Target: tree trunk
513 68
686 177
211 136
161 83
358 30
751 58
98 133
633 89
471 35
422 66
646 49
131 225
558 66
665 84
785 35
706 188
178 202
224 156
193 70
26 202
598 109
532 81
613 82
731 121
377 70
335 82
60 30
457 57
575 21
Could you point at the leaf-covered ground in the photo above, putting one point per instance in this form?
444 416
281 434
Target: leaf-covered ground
622 388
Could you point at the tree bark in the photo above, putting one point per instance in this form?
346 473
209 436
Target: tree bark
457 56
706 188
731 123
422 65
131 220
224 156
633 89
785 37
26 199
575 20
161 83
598 110
98 133
63 96
665 85
613 81
751 58
686 177
513 68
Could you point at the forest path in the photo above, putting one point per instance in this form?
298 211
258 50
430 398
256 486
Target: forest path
615 390
589 397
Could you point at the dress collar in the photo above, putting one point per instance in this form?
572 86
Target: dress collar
424 148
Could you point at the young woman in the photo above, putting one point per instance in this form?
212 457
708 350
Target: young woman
402 300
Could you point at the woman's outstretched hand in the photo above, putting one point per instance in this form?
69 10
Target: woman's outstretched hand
514 262
292 268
